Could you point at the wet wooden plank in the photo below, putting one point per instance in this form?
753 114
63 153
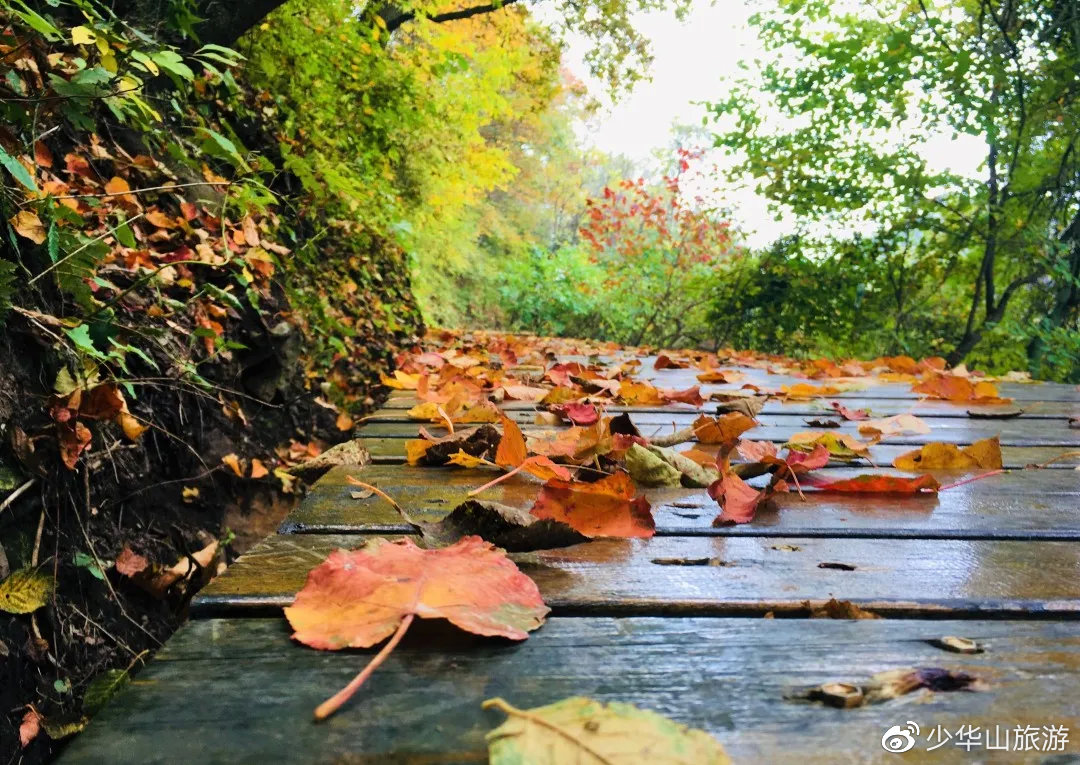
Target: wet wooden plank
1024 505
400 401
224 691
728 576
391 451
1011 432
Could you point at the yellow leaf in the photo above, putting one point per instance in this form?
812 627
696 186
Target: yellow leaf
83 36
582 730
428 411
415 450
132 427
29 225
466 460
234 463
25 591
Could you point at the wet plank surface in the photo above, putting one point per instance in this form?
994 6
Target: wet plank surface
729 575
391 451
1027 504
238 690
952 431
400 401
668 622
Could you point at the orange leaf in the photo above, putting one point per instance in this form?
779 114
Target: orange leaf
722 429
666 362
511 451
640 394
881 484
234 463
690 396
739 500
130 563
959 388
606 508
160 219
985 454
258 469
344 422
357 599
42 156
30 726
714 376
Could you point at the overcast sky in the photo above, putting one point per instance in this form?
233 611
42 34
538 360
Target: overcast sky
692 60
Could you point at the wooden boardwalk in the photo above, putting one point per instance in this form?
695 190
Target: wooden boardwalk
672 623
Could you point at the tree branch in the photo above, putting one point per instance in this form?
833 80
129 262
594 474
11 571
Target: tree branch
464 13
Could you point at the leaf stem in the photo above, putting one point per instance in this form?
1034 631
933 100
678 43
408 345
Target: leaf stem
511 711
969 479
1058 458
334 703
375 490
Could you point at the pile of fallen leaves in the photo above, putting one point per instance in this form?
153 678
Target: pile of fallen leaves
589 468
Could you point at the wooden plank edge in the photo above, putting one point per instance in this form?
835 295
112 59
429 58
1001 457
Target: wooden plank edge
264 606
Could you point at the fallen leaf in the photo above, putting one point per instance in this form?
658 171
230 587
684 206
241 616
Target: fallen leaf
738 499
477 442
838 609
130 563
605 508
713 376
258 469
357 599
30 726
880 484
102 688
28 224
233 463
511 528
511 451
839 445
722 429
959 388
849 414
133 429
666 362
344 422
891 684
578 413
984 454
893 426
640 394
581 730
691 396
25 591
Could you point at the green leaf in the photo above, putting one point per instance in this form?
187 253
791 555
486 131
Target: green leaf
124 235
15 167
82 560
52 241
217 145
37 22
80 336
171 62
102 688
